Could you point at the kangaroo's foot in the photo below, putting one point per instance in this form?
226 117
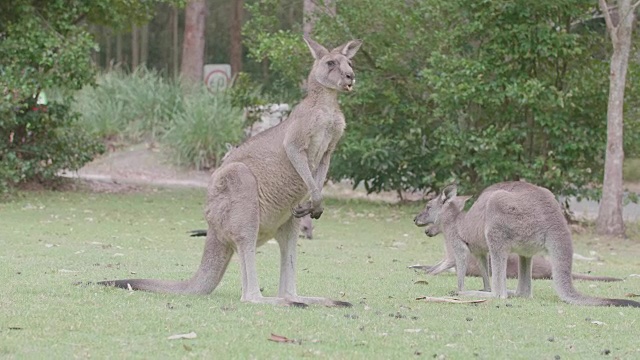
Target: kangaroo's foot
259 299
482 293
319 300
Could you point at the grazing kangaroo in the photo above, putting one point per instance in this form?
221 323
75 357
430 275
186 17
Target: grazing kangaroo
541 267
259 191
509 217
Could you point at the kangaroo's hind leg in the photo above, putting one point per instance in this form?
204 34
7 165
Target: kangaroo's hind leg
524 277
287 237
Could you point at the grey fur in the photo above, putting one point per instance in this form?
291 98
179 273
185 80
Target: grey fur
541 267
508 217
259 191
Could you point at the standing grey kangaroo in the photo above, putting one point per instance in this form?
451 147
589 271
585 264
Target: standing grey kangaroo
509 217
540 267
260 191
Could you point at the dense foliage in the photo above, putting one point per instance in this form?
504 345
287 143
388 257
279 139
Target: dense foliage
476 91
45 45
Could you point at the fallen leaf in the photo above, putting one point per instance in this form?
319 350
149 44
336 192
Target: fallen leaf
450 300
67 271
631 295
280 339
191 335
634 275
423 282
596 322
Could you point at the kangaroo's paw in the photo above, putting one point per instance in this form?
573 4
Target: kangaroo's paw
302 210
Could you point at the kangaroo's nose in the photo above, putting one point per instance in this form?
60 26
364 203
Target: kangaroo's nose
349 76
415 218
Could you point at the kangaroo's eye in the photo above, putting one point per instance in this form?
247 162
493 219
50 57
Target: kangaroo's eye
331 63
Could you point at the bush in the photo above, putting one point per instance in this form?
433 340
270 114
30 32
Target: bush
38 141
198 135
132 107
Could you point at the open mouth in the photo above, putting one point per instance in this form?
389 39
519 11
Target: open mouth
348 87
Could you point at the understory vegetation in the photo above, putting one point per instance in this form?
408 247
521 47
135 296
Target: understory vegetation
193 123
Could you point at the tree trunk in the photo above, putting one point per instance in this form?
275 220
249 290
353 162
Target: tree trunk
193 41
610 220
235 43
119 49
135 48
144 44
311 9
174 38
108 55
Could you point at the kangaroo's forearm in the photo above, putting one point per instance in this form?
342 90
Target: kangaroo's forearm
322 170
300 162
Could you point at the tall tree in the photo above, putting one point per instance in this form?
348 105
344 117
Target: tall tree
235 44
119 56
194 41
144 44
620 28
135 47
311 10
174 42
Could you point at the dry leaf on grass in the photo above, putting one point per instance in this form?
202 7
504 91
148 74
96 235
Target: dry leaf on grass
596 322
422 282
191 335
282 339
631 295
451 300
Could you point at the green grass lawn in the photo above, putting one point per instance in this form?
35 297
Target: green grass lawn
360 253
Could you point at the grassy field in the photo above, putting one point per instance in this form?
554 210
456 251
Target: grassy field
360 253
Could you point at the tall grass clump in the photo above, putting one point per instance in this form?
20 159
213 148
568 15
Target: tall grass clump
131 107
199 133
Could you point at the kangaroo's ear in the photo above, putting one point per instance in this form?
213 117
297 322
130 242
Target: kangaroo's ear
460 201
449 193
349 49
317 50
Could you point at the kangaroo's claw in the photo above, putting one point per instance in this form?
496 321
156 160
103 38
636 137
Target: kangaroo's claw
301 211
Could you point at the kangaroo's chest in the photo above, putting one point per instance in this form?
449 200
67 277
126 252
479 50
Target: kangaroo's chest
330 127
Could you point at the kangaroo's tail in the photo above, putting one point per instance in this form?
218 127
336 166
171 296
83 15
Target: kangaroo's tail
561 256
215 259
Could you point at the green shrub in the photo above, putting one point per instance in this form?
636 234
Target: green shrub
198 134
38 141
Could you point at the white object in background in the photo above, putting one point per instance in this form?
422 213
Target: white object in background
217 76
